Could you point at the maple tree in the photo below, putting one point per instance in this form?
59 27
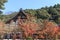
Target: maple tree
30 27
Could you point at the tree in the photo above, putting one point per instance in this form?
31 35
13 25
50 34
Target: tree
43 14
31 11
56 6
2 3
50 28
2 7
53 11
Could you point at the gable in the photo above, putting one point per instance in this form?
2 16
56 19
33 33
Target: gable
21 14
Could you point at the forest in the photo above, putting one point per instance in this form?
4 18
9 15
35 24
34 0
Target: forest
51 13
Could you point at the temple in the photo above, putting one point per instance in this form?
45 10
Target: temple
22 15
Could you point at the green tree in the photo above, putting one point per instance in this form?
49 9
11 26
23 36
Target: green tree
56 6
2 3
53 11
43 14
2 7
31 11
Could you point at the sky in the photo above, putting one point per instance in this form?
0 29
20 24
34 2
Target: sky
15 5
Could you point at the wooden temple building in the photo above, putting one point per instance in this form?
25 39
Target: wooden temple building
22 15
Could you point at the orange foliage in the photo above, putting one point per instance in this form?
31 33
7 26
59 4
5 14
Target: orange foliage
30 27
51 29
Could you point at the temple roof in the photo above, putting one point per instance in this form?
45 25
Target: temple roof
21 13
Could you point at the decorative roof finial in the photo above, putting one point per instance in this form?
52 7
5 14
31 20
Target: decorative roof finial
21 9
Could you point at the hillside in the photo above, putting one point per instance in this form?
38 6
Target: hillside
49 13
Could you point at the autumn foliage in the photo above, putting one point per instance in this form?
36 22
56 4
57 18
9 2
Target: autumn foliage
30 27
